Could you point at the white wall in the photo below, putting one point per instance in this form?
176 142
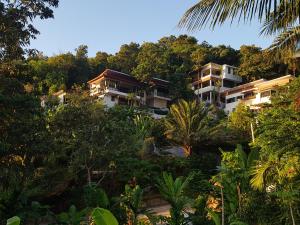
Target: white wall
108 102
229 107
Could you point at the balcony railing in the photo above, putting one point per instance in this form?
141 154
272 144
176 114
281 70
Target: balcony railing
162 94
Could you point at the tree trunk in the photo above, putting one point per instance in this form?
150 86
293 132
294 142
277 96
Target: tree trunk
252 132
292 214
239 197
222 199
89 179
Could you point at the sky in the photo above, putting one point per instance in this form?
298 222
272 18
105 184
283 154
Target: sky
104 25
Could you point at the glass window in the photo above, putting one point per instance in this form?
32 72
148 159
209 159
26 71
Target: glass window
228 83
113 98
265 94
229 69
249 95
239 97
230 100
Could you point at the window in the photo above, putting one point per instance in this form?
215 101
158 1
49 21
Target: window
229 70
162 92
265 94
113 98
205 84
230 100
228 83
249 95
112 84
239 97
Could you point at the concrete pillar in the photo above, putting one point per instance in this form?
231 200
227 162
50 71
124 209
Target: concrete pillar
201 92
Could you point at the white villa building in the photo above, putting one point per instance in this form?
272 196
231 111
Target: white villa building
253 94
220 84
213 79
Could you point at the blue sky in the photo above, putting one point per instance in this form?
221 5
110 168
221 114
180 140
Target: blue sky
104 25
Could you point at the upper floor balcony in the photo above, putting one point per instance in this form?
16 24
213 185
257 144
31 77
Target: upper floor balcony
120 91
156 93
219 71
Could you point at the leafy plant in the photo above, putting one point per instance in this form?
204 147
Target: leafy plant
13 221
72 217
173 192
95 196
131 202
102 216
187 124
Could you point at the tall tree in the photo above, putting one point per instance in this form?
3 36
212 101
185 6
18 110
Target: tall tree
152 60
277 138
23 144
125 59
255 63
16 24
98 63
187 124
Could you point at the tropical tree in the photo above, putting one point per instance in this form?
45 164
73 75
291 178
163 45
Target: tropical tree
173 192
277 17
233 181
187 123
17 29
126 59
256 63
131 202
241 120
277 138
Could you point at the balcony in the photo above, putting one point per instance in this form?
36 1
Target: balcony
232 77
204 89
121 91
159 94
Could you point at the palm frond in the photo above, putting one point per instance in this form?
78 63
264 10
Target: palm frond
281 20
286 41
259 173
216 12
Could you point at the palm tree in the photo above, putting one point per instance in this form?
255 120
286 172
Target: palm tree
279 175
187 123
173 192
278 17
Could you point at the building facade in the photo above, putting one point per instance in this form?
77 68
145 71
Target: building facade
212 79
116 88
253 94
221 85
